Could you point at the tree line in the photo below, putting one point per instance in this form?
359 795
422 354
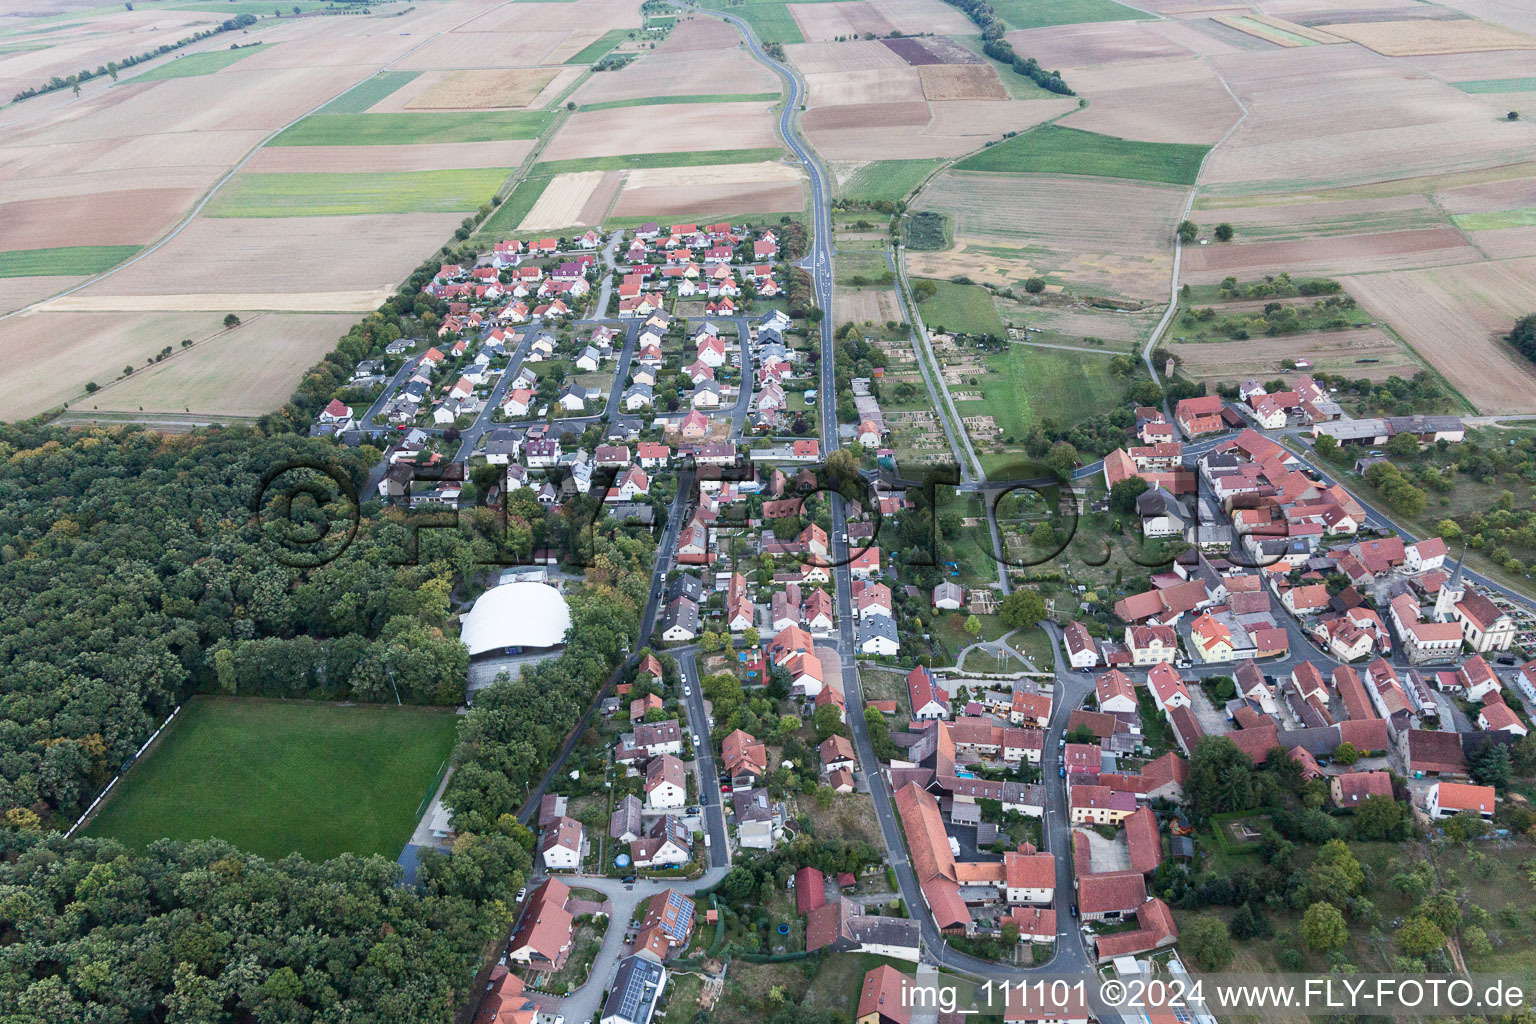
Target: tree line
999 49
111 69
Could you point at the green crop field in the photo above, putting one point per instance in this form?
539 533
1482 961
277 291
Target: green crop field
1044 13
718 97
770 19
598 48
368 92
405 129
889 180
631 161
341 195
277 777
1025 385
504 221
961 309
1522 218
1051 149
69 260
1481 85
205 63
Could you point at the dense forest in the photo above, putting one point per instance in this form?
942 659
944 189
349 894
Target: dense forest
133 573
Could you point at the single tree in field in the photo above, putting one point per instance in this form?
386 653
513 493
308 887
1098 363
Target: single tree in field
1188 231
1513 115
231 320
1223 232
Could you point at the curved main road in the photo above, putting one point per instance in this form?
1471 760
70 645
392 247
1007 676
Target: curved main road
1072 955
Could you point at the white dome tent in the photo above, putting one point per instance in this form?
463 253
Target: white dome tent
523 615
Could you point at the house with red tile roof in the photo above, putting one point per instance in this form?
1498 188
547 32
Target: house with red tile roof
1196 416
1348 790
542 939
1448 799
1146 844
885 998
1157 929
1167 686
1110 896
928 699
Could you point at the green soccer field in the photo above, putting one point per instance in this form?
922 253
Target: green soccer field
278 777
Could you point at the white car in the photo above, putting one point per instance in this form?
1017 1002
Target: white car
687 692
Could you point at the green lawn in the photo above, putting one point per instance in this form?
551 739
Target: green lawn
718 97
1026 385
67 260
368 92
598 48
276 777
630 161
205 63
405 129
961 309
341 195
1043 13
1052 149
515 207
770 20
890 180
1497 85
1522 218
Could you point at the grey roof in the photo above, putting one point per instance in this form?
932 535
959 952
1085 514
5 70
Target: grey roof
877 626
681 612
634 990
626 818
752 805
686 585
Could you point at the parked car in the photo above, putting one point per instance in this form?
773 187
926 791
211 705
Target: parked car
1074 910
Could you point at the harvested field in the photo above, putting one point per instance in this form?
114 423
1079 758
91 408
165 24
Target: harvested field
1507 243
369 159
557 15
283 255
1385 125
1412 38
857 305
1488 196
883 85
912 17
699 200
961 82
271 352
825 58
362 301
679 74
16 292
484 89
562 202
911 51
957 128
601 198
1104 42
1101 237
865 115
1273 30
1178 100
699 33
245 372
823 21
664 129
1454 317
128 217
717 174
513 49
1329 351
1187 36
1336 254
